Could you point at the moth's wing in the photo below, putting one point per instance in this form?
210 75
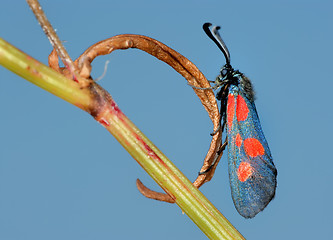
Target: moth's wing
251 169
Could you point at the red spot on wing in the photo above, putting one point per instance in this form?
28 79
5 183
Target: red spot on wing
242 110
238 140
149 151
244 171
230 109
253 147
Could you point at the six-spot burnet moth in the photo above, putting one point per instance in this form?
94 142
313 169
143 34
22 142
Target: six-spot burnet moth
252 172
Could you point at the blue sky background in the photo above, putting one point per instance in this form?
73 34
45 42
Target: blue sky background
63 176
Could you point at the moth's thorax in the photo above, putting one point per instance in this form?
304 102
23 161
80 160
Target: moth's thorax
246 87
236 80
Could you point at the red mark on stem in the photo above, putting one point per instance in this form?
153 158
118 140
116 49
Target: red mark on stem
104 122
244 171
253 147
115 109
33 71
75 79
150 152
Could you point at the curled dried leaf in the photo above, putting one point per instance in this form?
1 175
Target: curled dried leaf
159 50
152 194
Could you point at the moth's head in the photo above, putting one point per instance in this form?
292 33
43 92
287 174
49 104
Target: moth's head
226 71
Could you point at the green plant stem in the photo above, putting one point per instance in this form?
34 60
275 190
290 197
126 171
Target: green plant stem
43 76
158 166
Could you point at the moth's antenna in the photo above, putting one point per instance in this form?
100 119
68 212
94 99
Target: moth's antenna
215 36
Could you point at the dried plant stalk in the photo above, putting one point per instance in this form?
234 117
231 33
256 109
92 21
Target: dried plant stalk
51 34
